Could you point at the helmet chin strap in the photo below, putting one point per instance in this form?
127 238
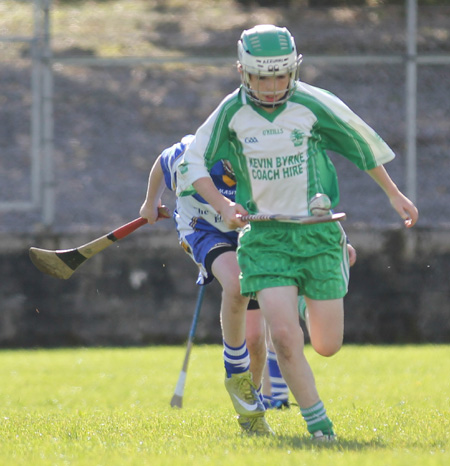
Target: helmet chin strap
262 103
275 103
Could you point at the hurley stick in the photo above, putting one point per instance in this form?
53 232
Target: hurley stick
177 399
62 263
306 220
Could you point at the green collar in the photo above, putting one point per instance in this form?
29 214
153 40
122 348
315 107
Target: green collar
268 116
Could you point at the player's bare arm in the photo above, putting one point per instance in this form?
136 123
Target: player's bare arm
404 207
155 188
230 211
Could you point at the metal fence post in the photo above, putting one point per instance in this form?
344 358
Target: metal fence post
411 99
36 114
48 175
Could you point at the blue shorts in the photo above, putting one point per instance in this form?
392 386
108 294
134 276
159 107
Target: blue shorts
204 247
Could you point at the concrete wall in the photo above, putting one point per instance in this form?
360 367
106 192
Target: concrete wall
142 291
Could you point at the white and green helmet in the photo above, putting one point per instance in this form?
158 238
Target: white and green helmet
268 50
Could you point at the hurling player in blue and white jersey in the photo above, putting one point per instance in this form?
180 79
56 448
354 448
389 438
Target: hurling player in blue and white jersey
212 245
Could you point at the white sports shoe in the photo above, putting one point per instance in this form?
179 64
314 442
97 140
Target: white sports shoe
319 436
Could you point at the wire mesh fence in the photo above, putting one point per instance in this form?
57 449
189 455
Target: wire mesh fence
15 104
130 78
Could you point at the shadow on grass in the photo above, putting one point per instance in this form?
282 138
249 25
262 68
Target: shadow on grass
288 441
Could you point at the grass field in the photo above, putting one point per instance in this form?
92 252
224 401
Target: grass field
390 406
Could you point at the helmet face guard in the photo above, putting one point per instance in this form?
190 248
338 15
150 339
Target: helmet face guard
268 51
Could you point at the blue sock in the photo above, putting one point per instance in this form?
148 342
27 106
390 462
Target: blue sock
280 390
237 360
267 401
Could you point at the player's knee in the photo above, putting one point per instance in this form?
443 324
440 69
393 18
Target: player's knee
232 288
286 342
255 339
234 297
327 348
255 344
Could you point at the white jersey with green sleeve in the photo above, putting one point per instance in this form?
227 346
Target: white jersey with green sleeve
279 158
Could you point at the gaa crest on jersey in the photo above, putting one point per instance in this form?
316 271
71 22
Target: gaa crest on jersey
297 137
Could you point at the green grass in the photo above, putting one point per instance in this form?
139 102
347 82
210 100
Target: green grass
390 406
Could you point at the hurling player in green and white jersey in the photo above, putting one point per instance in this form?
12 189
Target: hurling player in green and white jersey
273 129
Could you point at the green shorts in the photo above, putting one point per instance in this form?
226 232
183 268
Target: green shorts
314 258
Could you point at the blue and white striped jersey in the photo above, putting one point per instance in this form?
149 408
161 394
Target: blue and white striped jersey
193 212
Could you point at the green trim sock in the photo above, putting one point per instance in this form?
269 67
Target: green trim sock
316 419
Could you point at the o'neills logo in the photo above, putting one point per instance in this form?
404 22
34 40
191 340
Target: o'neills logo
272 132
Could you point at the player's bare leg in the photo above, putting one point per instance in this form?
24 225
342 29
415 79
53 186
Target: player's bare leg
279 307
266 386
238 379
256 344
325 323
234 306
